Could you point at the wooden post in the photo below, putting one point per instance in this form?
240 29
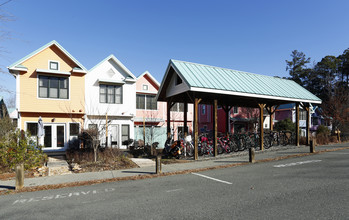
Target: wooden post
261 129
271 125
215 127
297 124
19 176
168 119
185 119
158 164
251 154
144 130
307 108
196 128
227 120
312 146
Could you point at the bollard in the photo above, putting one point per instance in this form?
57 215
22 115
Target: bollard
19 176
251 155
158 164
312 146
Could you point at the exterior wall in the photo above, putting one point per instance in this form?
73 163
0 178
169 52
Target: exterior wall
54 112
156 119
118 114
94 107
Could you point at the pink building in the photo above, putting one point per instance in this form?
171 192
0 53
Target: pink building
151 115
241 119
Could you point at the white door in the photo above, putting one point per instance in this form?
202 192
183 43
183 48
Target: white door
54 135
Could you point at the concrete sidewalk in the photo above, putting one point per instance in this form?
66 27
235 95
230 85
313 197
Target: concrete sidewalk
204 162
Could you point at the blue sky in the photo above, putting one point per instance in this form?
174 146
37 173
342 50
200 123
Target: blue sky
251 36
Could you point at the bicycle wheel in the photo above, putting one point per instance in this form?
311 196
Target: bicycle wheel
233 146
242 146
190 149
266 142
219 148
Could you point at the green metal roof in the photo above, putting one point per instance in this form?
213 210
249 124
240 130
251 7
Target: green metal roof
206 78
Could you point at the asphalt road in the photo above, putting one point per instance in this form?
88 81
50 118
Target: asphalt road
312 187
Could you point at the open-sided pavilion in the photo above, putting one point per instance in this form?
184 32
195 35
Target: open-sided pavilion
187 82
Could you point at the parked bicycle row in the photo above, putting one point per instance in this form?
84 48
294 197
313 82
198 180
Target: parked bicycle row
184 147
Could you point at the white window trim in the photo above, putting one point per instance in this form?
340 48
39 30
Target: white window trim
37 89
55 61
145 103
147 87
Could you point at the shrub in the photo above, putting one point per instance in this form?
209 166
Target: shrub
285 125
17 148
323 130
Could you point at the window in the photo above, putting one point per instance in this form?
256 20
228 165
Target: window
54 65
53 87
178 80
146 102
315 120
145 87
302 115
178 107
92 127
125 133
235 110
203 109
32 127
74 129
110 94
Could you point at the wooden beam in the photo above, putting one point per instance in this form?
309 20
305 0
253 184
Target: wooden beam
215 119
297 124
261 129
196 128
307 108
168 119
185 119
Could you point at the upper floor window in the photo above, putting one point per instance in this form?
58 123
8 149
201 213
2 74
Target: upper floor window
146 102
110 94
145 87
53 87
178 107
235 110
54 65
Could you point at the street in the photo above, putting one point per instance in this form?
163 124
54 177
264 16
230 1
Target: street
311 187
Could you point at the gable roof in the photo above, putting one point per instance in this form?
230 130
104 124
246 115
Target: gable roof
18 64
150 76
112 57
216 80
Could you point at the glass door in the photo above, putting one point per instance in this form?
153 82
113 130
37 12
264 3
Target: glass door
48 136
54 136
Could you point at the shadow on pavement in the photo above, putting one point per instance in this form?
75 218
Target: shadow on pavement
7 187
138 172
230 161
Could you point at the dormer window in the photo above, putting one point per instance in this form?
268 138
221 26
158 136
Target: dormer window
53 65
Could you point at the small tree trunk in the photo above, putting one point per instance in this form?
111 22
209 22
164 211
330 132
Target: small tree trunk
19 176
